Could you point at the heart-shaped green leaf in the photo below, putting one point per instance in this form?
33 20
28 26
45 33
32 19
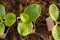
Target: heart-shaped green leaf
2 11
24 28
24 17
53 11
56 32
2 29
34 11
10 19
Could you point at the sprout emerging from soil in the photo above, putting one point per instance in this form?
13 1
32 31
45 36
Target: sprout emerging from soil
30 14
5 19
54 14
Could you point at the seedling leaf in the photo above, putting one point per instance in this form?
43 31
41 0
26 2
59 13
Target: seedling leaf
34 11
2 29
2 11
54 13
1 21
24 28
24 17
10 19
56 32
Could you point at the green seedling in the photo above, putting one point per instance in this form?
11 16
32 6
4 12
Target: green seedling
24 17
5 19
30 14
54 14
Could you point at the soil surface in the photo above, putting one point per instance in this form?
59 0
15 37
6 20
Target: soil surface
17 7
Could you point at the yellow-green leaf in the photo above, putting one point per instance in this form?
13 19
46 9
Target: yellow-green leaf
24 17
10 19
54 12
24 28
33 11
56 32
2 11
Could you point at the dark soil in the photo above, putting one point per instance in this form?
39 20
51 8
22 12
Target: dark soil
17 7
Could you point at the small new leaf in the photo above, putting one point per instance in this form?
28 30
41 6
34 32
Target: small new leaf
2 11
24 17
2 29
24 28
56 32
10 19
1 21
54 13
33 11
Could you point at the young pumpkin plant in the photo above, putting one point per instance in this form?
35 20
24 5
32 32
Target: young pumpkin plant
30 14
5 19
54 14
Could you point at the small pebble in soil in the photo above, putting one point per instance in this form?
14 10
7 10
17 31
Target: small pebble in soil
50 23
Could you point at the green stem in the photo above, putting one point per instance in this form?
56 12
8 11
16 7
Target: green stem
58 22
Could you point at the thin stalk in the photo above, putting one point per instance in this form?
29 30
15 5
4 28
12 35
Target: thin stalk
58 22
